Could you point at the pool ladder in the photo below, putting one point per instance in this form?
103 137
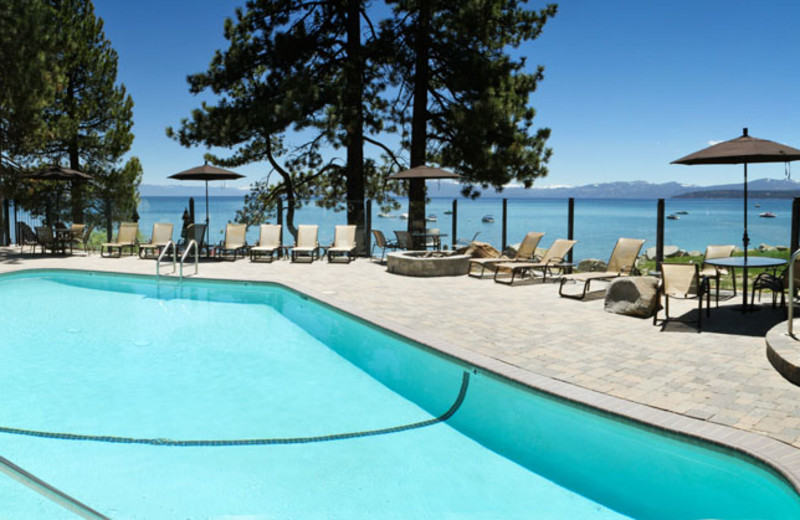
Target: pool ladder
172 247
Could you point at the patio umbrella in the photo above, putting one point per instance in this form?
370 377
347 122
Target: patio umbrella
416 195
58 173
206 173
743 150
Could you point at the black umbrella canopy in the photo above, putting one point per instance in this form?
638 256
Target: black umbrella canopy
424 172
743 150
206 172
59 173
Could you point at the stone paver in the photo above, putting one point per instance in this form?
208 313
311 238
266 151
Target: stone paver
721 375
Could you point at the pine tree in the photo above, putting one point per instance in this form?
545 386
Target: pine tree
291 66
90 120
469 97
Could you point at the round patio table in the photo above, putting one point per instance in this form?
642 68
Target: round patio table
738 262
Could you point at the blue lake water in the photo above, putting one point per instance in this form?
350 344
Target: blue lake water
598 223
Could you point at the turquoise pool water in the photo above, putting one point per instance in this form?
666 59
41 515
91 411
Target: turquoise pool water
157 364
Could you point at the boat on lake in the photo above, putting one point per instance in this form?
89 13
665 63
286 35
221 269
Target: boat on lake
767 214
488 219
673 217
386 215
431 218
404 216
448 212
681 212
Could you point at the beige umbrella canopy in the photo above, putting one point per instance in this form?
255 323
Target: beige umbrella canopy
206 172
743 150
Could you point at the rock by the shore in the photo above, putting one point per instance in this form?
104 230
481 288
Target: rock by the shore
592 264
766 247
479 250
669 252
632 296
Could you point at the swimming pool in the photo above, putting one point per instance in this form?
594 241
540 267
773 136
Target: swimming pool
154 399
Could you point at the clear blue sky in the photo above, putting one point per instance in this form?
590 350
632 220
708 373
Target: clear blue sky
629 85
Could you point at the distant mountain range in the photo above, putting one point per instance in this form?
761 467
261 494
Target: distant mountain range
761 188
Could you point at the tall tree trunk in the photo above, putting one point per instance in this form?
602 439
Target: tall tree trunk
419 123
354 122
76 187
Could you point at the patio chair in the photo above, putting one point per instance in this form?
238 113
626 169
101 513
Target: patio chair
196 232
622 263
27 237
380 241
344 244
162 234
126 237
235 242
526 251
777 283
306 245
683 281
432 239
552 260
71 234
269 241
81 236
404 240
47 240
713 272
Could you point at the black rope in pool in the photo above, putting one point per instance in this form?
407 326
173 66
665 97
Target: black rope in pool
249 442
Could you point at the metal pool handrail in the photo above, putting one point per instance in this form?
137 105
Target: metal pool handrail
48 491
170 244
791 291
192 244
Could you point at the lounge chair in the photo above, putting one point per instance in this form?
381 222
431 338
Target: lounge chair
380 241
27 237
126 237
552 260
47 240
712 272
235 242
162 234
621 263
683 281
306 245
526 251
344 244
269 241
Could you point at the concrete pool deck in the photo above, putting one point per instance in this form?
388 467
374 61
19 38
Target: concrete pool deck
717 384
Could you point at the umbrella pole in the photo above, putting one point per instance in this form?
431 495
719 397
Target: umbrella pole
208 231
746 243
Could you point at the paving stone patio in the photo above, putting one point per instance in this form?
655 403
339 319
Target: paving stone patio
719 376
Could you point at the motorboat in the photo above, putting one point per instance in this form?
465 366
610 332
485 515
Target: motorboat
431 218
681 212
767 214
448 212
758 205
404 216
487 219
386 215
673 217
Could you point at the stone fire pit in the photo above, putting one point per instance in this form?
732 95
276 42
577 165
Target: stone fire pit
427 263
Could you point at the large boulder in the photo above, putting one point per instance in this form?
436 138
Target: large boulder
632 296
